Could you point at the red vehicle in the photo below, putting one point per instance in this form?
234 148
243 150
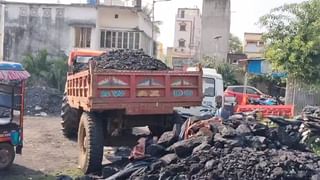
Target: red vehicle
12 85
238 92
100 104
251 92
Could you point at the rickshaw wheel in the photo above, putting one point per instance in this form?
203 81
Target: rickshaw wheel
7 155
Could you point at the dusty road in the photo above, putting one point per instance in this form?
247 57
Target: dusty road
45 151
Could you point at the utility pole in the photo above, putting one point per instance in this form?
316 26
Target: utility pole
217 42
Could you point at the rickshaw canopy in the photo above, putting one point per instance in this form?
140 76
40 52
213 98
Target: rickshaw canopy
11 71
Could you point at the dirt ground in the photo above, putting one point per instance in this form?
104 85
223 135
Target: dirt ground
46 152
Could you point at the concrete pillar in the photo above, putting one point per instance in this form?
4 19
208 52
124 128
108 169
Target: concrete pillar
2 14
216 19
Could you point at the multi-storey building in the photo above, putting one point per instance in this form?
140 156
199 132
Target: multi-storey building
187 37
58 28
253 45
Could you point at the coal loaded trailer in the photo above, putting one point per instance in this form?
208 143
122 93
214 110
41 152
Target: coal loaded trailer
105 95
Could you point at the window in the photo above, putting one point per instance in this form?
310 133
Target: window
120 39
260 43
137 41
131 40
182 43
238 89
82 37
183 27
252 91
182 14
102 39
125 40
209 87
108 39
116 39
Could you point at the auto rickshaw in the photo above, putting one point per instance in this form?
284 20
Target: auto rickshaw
12 89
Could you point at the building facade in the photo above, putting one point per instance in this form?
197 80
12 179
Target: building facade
58 28
186 49
254 45
215 34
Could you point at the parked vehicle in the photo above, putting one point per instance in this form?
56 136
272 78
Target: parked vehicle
238 92
212 87
101 104
12 86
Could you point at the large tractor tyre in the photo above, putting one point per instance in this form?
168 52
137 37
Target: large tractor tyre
70 119
7 155
91 143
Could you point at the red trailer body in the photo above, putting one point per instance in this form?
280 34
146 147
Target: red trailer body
136 92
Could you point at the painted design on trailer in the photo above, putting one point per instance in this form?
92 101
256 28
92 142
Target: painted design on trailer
112 81
113 93
181 82
181 93
149 82
150 93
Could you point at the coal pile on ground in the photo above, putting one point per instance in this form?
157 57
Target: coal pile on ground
231 149
43 101
124 59
311 111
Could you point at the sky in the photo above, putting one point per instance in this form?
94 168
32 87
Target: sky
244 14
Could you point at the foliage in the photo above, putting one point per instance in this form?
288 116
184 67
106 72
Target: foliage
226 70
228 74
235 45
274 86
293 41
209 62
45 71
268 79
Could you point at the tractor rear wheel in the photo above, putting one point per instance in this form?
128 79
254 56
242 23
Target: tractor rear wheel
70 119
91 143
7 155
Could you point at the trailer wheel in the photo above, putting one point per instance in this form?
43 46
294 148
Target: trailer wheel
70 119
91 143
7 155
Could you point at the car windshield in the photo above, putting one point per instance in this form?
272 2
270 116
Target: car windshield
209 87
83 59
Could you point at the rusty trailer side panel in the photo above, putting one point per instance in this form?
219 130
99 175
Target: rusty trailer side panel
136 92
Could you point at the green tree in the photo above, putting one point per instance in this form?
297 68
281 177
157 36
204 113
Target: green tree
228 74
293 41
235 45
226 70
38 65
45 71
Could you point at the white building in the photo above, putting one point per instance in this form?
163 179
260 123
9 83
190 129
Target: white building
58 28
187 37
